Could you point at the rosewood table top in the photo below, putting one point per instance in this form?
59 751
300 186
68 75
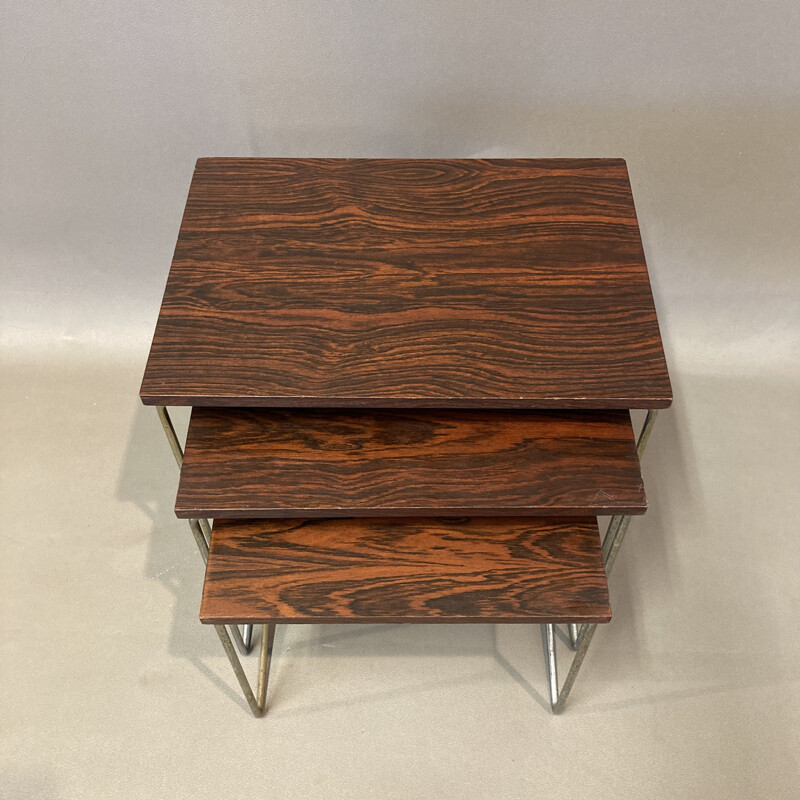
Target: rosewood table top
408 283
258 463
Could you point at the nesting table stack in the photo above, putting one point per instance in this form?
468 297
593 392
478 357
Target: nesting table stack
410 384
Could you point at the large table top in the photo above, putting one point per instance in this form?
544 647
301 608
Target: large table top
408 283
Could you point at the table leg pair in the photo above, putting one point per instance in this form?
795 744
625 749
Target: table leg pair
201 528
580 636
257 702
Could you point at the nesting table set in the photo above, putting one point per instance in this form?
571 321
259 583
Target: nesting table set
410 384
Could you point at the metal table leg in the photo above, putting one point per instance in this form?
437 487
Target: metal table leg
201 528
574 631
549 644
615 534
258 704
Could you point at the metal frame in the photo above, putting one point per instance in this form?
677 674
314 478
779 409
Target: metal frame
580 636
257 703
201 530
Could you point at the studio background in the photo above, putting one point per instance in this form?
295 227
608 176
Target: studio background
110 686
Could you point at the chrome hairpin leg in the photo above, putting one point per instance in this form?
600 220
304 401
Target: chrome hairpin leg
585 635
549 644
615 534
559 698
574 630
258 704
645 432
247 630
199 538
169 431
247 637
611 532
201 528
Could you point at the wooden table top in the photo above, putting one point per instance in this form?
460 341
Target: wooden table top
408 283
257 463
418 570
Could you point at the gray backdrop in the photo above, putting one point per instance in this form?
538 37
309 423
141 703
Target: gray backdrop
110 688
106 105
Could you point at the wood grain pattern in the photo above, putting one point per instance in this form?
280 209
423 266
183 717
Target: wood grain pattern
322 463
408 283
389 570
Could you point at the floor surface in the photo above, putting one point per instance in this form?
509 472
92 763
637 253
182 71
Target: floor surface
112 688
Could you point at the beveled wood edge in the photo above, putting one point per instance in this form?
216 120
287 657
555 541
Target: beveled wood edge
399 403
209 512
528 620
618 160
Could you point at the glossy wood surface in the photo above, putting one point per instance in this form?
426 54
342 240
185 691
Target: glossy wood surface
323 463
408 283
390 570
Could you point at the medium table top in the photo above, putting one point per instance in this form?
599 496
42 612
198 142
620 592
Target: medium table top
408 283
256 463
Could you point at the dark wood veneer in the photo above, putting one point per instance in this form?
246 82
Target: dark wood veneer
389 570
256 463
408 283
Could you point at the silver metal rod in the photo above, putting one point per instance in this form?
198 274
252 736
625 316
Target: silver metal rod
611 544
202 546
574 632
612 541
201 528
611 532
608 542
177 451
172 437
549 644
618 539
647 428
255 707
205 526
580 654
264 661
258 705
199 538
237 637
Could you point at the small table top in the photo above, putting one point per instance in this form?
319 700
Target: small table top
405 570
408 283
